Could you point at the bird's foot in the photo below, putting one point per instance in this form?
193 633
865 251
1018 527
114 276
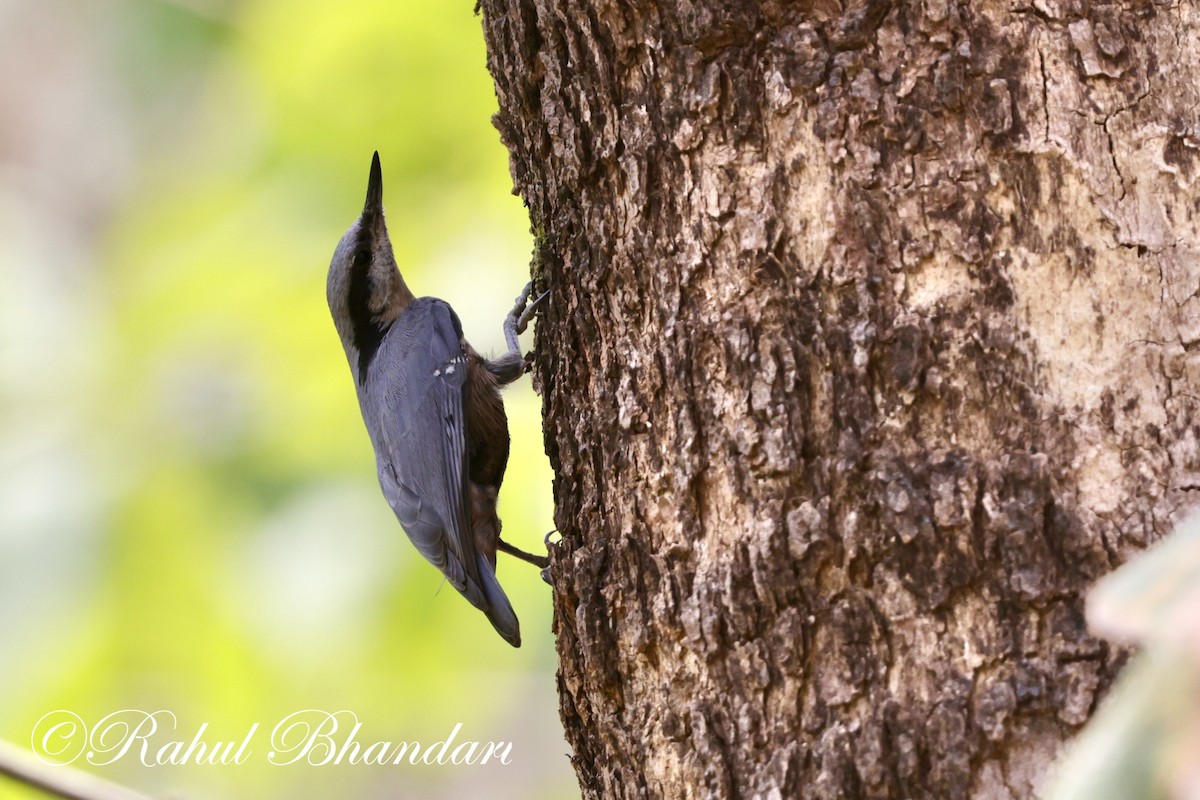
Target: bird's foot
546 572
531 309
518 319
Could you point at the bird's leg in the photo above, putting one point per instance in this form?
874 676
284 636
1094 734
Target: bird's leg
510 366
537 561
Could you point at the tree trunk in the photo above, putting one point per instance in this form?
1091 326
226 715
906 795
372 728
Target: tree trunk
874 339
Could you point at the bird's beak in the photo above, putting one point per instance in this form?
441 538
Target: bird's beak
373 208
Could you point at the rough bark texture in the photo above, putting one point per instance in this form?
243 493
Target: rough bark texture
874 340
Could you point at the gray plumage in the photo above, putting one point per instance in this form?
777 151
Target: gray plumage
420 446
432 408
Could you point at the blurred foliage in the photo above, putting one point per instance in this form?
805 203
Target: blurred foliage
189 517
1144 742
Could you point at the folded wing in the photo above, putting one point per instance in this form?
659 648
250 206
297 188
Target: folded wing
417 388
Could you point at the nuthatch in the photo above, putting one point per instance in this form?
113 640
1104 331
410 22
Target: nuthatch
432 408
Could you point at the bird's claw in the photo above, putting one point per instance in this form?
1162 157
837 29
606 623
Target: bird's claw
518 319
531 309
523 310
545 573
521 302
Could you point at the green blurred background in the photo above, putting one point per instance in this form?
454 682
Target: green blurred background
189 516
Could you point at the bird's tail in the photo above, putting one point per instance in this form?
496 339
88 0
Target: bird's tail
499 610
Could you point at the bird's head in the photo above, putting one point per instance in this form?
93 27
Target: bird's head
365 290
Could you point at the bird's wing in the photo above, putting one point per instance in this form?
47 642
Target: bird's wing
418 388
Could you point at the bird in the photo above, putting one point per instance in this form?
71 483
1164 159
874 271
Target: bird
432 409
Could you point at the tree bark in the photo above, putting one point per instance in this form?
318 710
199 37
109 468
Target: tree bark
874 339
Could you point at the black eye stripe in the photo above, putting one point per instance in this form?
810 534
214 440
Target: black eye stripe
366 330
